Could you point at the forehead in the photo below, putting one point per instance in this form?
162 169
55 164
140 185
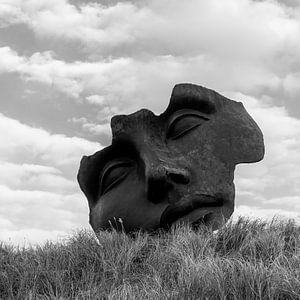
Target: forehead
184 96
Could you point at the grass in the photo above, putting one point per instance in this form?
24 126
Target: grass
244 260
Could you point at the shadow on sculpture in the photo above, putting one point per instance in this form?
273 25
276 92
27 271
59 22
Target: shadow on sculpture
175 167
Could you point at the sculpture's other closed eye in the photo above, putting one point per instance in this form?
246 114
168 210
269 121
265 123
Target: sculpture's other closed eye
183 121
174 167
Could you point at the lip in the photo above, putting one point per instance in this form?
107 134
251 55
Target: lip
186 206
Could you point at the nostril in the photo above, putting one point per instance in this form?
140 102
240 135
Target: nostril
157 190
179 177
161 180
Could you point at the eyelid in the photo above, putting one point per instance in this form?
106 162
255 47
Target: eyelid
187 112
184 113
110 166
114 163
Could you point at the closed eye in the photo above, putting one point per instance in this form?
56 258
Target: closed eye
183 122
114 173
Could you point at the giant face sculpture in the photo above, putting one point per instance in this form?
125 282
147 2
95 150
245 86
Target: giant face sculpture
178 166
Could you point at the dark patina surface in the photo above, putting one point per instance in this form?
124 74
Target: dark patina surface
175 167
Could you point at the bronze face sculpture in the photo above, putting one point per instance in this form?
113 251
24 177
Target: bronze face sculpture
175 167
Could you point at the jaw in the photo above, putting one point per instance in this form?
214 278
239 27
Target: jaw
212 218
129 219
197 210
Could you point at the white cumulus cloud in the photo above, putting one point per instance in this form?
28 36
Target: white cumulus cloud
38 188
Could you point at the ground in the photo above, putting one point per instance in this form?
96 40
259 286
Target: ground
248 259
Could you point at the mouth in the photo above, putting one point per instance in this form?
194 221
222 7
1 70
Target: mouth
194 209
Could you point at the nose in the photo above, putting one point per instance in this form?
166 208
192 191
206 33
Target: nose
178 175
160 179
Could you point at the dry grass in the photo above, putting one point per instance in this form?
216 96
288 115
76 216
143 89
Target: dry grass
244 260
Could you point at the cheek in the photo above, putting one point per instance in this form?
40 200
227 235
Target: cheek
195 145
211 170
209 142
125 198
207 149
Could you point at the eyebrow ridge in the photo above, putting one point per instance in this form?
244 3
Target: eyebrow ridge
190 102
118 149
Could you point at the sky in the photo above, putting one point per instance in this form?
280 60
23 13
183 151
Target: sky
67 66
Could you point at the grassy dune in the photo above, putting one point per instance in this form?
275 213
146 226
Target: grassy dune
244 260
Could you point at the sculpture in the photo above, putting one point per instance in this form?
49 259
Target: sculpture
175 167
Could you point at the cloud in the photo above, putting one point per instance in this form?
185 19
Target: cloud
11 14
128 44
292 3
31 177
292 203
123 84
98 129
95 99
26 214
38 209
153 27
274 182
38 188
111 77
101 129
22 143
81 120
265 214
291 85
90 22
94 129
